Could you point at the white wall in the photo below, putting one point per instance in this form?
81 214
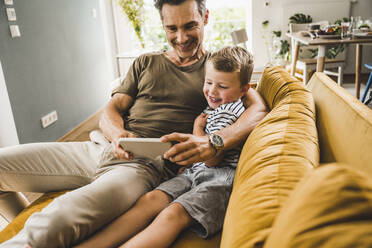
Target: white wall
361 8
110 37
278 12
8 131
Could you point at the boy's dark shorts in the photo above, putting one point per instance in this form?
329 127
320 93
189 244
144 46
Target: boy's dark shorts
204 193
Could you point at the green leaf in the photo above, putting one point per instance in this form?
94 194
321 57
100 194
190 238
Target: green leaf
300 18
134 9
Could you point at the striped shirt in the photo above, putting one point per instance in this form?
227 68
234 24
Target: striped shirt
222 117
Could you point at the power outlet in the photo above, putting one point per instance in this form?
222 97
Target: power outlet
8 2
49 119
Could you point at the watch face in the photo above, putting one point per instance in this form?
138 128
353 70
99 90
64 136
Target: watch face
217 141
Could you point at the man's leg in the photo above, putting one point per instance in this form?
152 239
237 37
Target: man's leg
75 215
130 223
44 167
163 231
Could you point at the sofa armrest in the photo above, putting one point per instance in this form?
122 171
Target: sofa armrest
344 124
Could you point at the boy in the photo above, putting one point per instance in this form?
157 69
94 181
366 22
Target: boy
199 195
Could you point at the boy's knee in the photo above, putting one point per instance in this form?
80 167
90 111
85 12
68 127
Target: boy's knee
157 199
154 197
176 212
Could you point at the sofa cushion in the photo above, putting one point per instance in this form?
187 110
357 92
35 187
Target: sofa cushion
331 207
344 124
276 155
189 239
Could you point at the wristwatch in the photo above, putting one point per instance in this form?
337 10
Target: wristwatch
216 142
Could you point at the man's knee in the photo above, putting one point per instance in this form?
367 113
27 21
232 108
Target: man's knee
57 228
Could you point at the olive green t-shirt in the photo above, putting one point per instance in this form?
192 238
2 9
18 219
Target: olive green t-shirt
167 98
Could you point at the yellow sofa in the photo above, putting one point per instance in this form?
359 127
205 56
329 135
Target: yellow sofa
281 196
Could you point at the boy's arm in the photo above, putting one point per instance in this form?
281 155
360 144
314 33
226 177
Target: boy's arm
199 124
194 148
216 160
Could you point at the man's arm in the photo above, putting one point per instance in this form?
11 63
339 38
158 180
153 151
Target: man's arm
193 148
112 123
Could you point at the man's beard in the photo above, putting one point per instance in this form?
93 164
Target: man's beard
194 54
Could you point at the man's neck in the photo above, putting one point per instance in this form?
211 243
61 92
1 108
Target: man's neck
173 56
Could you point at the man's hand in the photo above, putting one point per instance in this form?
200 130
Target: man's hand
190 149
112 123
119 152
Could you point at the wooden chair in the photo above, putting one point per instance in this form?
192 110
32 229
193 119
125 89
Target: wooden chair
240 37
304 67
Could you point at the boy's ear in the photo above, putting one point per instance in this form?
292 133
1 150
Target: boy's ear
245 89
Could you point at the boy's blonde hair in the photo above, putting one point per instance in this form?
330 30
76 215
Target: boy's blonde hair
234 59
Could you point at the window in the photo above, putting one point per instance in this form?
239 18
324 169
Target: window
222 21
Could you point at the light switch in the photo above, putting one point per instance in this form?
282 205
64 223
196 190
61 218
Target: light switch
14 31
11 14
8 2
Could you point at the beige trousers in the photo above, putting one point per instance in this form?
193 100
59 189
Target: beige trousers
104 188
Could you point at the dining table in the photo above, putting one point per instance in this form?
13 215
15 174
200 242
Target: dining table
322 43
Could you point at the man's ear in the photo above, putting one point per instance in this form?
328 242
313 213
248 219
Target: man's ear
206 17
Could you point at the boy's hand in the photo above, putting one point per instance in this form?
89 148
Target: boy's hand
119 152
201 121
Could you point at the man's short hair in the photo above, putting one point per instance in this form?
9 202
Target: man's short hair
234 59
159 5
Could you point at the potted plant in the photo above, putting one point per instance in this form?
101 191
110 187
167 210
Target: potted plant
134 11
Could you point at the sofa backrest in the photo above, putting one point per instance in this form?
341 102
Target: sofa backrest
280 150
344 124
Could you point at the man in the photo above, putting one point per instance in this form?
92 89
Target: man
161 94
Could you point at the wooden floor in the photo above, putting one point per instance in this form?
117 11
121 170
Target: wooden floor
349 84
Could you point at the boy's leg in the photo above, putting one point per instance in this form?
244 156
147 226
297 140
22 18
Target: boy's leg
75 215
206 203
44 167
130 223
163 231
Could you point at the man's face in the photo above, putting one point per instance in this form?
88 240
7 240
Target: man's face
184 27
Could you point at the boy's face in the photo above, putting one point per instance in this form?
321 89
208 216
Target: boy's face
222 87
